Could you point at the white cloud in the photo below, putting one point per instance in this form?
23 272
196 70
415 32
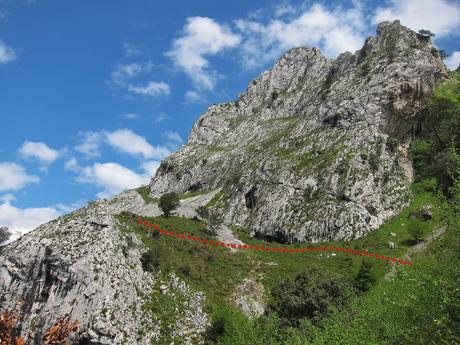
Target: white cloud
438 16
202 37
40 151
335 31
129 142
132 49
123 73
162 117
7 197
130 116
150 167
72 207
14 176
193 97
173 136
152 88
453 61
7 53
113 177
21 221
71 164
89 145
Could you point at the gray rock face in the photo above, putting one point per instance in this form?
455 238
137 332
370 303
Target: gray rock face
83 265
315 149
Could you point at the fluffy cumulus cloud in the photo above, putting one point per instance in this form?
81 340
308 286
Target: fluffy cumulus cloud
89 144
127 141
13 176
124 140
334 30
152 88
21 221
124 73
453 61
39 151
439 16
113 177
7 53
202 37
173 137
193 97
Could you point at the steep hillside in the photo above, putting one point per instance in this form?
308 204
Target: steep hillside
315 149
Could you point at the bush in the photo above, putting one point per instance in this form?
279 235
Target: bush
416 231
202 212
313 294
151 259
364 280
374 161
168 203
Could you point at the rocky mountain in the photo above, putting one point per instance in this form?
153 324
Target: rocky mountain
315 149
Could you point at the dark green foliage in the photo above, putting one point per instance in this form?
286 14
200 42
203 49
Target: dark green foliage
215 220
392 144
416 231
151 259
431 154
313 294
364 280
202 212
144 192
443 54
168 203
374 161
425 32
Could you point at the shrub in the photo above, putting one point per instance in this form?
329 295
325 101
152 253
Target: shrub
374 161
151 259
313 294
364 279
202 212
168 203
416 231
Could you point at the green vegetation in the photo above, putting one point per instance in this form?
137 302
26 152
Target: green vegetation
144 193
168 203
215 270
321 298
202 212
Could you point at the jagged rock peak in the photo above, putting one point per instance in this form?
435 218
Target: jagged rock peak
319 142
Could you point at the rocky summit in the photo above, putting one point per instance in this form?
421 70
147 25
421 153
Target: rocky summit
315 149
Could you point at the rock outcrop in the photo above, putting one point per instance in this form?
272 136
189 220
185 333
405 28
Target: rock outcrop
315 149
83 265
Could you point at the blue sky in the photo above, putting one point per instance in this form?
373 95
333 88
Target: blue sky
93 94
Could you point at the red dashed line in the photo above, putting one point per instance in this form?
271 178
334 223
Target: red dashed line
210 242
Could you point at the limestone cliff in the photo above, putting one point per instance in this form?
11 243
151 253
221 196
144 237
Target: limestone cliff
315 149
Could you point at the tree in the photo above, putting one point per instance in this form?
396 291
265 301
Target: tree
425 32
215 221
364 280
5 234
443 54
202 212
168 203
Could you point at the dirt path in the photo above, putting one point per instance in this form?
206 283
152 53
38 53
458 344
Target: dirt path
187 209
418 248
